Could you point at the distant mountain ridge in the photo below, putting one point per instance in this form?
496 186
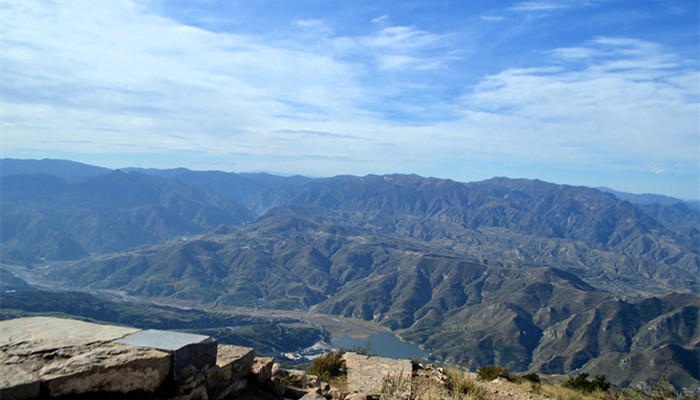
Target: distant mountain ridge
45 217
62 168
517 272
535 214
236 186
580 229
644 198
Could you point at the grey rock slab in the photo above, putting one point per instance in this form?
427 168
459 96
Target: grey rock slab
190 353
164 340
23 336
16 383
312 396
233 363
372 375
239 360
110 367
262 369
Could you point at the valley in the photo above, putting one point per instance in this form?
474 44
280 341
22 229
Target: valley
520 273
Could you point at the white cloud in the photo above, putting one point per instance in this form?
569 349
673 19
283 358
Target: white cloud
544 6
403 47
492 18
629 101
538 6
126 80
124 69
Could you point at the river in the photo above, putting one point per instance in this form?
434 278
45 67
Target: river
383 344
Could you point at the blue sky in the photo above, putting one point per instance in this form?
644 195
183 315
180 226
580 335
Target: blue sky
589 92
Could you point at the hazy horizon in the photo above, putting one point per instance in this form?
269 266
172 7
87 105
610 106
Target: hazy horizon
284 174
593 93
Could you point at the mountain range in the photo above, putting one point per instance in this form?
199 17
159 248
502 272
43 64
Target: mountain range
521 273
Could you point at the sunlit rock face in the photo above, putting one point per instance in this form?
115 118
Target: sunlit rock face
42 356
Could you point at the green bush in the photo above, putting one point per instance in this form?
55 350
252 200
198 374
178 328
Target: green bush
329 365
491 372
661 390
582 383
532 377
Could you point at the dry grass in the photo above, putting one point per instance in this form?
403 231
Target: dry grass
459 387
339 382
657 391
396 384
464 387
427 389
560 392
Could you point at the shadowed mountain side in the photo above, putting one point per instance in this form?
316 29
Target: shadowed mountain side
236 186
644 199
628 341
512 222
44 217
526 274
287 261
69 170
535 318
520 206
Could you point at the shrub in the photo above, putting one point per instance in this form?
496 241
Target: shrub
491 372
329 365
582 383
365 350
661 390
461 385
532 377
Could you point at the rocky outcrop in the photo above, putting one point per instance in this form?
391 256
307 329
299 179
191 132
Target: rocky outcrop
372 375
44 357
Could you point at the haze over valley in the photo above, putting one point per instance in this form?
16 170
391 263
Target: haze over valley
522 273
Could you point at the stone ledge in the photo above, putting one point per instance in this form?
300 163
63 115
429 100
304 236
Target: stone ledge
235 359
24 336
367 374
189 353
262 369
106 367
50 357
110 368
233 364
18 383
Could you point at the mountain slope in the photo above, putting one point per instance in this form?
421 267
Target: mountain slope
45 217
521 273
236 186
535 318
642 199
517 222
68 170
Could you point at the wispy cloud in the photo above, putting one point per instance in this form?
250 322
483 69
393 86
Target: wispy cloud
402 47
538 6
492 18
544 6
628 99
302 132
320 100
